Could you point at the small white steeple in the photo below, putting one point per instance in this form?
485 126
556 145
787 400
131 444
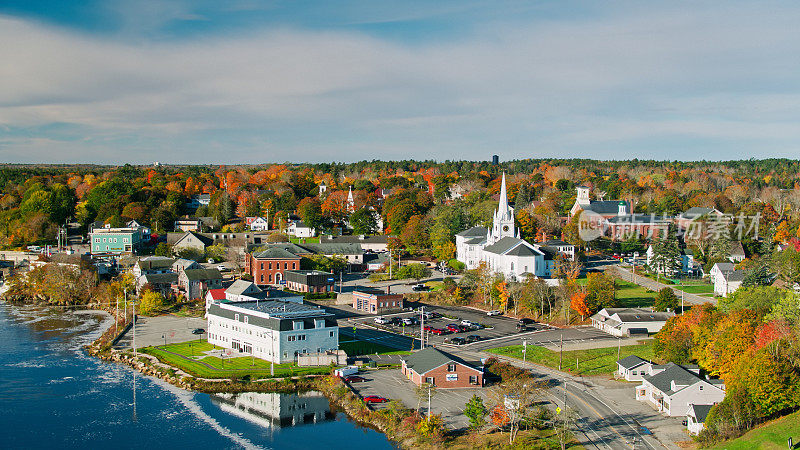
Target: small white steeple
351 204
503 219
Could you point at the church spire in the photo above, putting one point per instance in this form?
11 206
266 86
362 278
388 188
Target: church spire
502 208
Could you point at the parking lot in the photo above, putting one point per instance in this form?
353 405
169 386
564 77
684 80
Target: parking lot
391 384
154 330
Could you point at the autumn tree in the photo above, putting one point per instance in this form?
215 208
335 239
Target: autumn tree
151 303
578 303
601 292
363 222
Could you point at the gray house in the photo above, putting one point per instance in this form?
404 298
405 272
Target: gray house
194 283
671 388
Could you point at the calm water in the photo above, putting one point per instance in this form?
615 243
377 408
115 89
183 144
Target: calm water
54 396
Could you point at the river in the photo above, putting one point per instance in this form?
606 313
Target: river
52 395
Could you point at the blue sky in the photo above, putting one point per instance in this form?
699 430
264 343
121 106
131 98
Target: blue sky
245 81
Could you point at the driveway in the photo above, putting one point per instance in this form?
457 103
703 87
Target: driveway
153 330
391 383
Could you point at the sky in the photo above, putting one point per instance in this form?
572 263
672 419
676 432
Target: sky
249 82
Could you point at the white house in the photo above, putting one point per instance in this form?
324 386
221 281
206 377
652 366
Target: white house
686 259
258 224
696 418
633 368
501 248
273 330
298 228
726 279
621 322
671 388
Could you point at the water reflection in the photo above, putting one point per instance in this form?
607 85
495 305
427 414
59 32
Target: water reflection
276 410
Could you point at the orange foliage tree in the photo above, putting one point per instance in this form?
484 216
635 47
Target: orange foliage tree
578 303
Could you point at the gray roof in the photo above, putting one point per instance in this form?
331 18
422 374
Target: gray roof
724 266
476 240
695 212
507 243
355 239
334 248
239 286
274 253
160 278
672 372
700 412
638 218
277 308
603 206
737 249
376 258
155 262
555 243
627 315
632 361
423 361
736 275
524 250
203 274
474 232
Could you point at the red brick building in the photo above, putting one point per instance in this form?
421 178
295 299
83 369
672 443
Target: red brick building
376 301
441 369
268 266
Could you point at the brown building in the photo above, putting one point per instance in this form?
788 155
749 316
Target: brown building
441 369
267 266
309 281
376 301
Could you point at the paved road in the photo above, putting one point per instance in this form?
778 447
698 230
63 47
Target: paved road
653 285
603 425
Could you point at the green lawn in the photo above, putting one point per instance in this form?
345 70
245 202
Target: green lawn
772 435
697 288
596 361
313 240
187 360
631 295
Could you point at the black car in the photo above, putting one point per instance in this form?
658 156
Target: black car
458 341
395 321
526 321
198 331
473 338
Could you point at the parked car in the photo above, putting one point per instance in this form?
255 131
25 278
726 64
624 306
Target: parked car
476 326
427 328
526 321
395 321
375 399
466 323
222 267
409 320
380 320
438 331
198 331
473 338
494 312
420 287
458 341
453 328
355 379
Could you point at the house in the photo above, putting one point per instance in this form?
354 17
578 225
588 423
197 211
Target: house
314 281
188 224
696 418
376 261
501 248
563 248
440 369
267 265
698 221
377 244
191 240
604 208
195 282
726 278
376 301
152 265
116 240
273 330
671 388
198 200
257 223
622 322
165 283
633 368
736 254
299 229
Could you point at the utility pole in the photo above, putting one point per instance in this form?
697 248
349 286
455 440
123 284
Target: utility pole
133 308
524 350
561 356
681 301
429 401
619 347
390 264
422 330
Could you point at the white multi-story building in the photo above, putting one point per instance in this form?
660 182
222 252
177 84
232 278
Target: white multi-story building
272 330
671 388
501 247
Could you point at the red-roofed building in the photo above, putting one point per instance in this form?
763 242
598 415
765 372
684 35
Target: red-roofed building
214 295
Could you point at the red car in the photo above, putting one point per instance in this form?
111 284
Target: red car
453 328
428 328
375 399
438 331
355 379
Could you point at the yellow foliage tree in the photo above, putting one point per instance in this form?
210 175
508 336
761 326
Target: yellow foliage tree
151 303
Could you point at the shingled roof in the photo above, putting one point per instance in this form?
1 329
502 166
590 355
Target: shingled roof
474 232
203 274
430 358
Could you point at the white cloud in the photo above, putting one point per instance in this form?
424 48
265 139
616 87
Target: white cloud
553 86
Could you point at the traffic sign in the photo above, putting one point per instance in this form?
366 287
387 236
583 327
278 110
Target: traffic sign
558 410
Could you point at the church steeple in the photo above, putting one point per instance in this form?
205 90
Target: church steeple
503 220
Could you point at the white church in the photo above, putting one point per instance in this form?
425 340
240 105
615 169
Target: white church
501 247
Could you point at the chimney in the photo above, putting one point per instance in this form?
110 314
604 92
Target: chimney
388 290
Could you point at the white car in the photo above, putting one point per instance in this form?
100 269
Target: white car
494 312
466 323
222 268
381 320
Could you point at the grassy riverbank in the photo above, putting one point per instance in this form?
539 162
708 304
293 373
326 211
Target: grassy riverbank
595 361
190 357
